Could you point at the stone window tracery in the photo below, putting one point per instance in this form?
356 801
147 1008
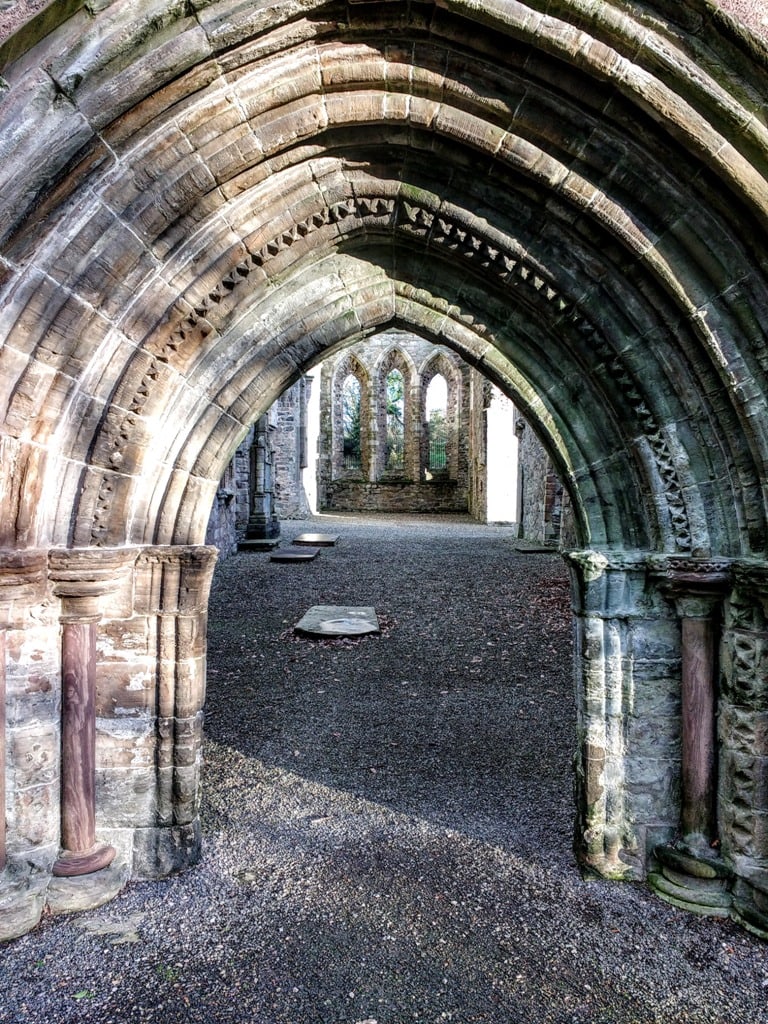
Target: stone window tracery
349 422
439 387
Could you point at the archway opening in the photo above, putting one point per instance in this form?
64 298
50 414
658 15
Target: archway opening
232 201
351 398
437 425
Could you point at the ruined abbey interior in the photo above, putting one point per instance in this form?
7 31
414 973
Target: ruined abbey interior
203 200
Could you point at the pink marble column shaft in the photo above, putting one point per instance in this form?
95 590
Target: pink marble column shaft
81 579
698 816
81 855
78 745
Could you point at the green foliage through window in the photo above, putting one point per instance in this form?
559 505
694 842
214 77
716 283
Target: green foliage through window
350 412
395 420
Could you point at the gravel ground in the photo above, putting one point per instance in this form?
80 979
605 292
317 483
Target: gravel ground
387 822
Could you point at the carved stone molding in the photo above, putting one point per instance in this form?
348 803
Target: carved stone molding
691 580
82 576
23 577
175 578
437 230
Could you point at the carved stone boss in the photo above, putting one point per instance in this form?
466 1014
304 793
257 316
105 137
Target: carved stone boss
81 579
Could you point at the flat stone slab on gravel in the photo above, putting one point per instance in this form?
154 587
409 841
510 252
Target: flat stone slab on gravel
258 545
294 554
320 540
338 620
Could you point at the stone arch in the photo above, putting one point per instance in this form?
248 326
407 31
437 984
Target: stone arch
395 360
440 364
198 207
350 366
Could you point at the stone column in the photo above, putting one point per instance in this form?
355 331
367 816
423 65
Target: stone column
693 874
698 774
623 735
171 588
743 724
262 522
81 578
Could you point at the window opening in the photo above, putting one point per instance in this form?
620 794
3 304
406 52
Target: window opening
437 422
351 394
395 420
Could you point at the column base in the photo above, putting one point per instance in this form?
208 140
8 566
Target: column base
22 899
262 529
74 893
692 882
750 905
70 865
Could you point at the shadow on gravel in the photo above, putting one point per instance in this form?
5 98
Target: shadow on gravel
461 712
387 823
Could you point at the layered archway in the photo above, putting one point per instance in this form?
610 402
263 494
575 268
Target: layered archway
546 215
203 200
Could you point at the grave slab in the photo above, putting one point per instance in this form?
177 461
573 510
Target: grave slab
294 554
258 545
320 540
331 620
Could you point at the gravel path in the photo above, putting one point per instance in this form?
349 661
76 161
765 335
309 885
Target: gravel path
387 822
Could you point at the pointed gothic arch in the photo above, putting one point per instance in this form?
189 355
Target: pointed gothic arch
198 208
395 456
350 368
439 365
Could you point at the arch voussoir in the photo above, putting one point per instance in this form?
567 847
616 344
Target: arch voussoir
199 206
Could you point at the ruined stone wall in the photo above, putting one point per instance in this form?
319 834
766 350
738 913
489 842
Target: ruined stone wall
392 496
290 451
230 509
533 484
413 487
546 513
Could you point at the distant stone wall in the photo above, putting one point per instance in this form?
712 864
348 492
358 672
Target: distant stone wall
546 515
229 513
534 485
290 451
391 496
413 487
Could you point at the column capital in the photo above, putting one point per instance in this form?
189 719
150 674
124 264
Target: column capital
697 586
81 576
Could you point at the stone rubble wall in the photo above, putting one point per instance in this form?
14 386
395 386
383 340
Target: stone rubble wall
290 454
394 496
372 488
149 693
